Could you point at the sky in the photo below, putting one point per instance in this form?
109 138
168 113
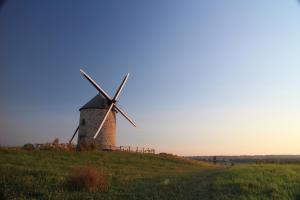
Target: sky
206 77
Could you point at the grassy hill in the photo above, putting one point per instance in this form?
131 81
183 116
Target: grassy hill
43 175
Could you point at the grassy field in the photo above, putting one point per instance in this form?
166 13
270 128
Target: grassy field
43 175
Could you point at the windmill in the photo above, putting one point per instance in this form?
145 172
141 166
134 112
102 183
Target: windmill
97 123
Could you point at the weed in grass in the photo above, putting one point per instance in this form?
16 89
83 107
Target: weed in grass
88 178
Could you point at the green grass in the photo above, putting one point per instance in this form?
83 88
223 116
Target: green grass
42 175
258 181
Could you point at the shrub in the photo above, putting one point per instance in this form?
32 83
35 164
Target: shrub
87 178
55 142
166 155
46 146
28 147
169 156
88 146
70 147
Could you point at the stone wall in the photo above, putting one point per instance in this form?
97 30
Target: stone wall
90 120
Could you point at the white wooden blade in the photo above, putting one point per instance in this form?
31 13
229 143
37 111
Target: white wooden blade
104 119
74 134
125 115
120 88
95 85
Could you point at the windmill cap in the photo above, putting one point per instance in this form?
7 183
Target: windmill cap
97 102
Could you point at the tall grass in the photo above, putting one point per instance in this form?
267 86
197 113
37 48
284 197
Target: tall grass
88 178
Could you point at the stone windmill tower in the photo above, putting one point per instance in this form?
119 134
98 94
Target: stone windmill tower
97 123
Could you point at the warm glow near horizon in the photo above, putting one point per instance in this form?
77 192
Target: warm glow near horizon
233 132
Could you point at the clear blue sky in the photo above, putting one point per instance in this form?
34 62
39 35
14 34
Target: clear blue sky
207 77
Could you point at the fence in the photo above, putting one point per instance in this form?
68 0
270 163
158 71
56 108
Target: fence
136 149
131 149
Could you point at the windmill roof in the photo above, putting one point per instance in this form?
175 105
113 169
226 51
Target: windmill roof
97 102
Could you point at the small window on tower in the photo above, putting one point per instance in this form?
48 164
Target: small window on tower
83 122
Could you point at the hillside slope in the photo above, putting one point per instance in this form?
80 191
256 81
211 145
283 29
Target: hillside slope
42 175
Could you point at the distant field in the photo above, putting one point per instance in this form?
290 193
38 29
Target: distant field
250 159
42 175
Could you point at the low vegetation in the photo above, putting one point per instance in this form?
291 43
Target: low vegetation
119 175
53 146
86 178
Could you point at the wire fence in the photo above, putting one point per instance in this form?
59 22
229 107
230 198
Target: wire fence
131 149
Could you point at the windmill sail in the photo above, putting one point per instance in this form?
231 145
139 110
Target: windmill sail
110 101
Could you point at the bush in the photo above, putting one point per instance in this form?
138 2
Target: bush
87 178
88 146
28 147
55 142
70 147
46 146
169 155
